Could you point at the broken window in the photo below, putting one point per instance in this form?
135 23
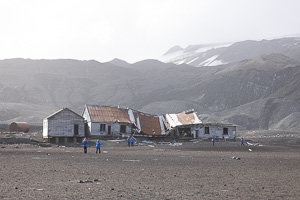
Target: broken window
206 130
122 129
102 127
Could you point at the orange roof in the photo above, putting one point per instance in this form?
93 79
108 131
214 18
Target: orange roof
108 114
149 123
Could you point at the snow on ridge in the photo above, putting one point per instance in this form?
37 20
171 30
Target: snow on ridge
209 61
192 60
204 49
217 62
184 56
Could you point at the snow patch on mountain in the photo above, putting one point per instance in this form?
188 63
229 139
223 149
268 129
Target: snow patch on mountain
190 54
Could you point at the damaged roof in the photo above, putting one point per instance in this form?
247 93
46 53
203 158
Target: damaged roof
183 118
146 123
150 124
108 114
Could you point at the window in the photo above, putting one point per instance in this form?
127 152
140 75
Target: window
206 130
225 131
122 129
102 127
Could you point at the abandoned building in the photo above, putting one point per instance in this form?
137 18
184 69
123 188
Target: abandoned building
64 126
224 131
97 120
19 127
187 124
106 120
115 121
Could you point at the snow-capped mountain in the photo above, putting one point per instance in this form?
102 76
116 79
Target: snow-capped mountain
220 54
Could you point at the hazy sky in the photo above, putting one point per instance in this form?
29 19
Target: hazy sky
134 30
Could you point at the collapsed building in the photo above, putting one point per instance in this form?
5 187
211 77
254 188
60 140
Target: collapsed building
98 120
115 121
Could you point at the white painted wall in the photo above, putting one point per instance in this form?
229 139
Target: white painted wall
115 128
62 125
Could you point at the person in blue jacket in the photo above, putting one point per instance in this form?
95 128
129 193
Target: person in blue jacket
132 139
98 146
242 141
128 140
213 140
84 144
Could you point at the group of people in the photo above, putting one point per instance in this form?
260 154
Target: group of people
85 144
213 141
130 141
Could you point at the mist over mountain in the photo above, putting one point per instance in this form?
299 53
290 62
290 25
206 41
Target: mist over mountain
257 88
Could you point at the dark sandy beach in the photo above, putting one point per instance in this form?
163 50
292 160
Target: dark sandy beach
193 170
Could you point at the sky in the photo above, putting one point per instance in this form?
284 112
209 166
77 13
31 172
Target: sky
134 30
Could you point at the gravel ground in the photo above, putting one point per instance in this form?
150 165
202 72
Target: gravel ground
193 170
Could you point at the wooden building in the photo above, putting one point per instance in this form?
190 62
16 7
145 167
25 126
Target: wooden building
64 126
187 124
115 121
218 130
106 120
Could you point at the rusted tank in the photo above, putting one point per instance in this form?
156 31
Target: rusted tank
19 127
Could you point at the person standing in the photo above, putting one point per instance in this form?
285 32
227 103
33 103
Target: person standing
98 146
242 141
84 144
128 141
132 140
213 140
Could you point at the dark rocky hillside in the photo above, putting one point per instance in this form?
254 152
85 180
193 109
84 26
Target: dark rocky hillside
258 93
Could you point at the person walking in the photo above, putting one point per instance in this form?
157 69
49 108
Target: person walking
98 146
84 144
128 141
213 140
132 139
242 141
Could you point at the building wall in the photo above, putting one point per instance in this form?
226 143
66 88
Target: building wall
198 131
115 128
62 125
217 131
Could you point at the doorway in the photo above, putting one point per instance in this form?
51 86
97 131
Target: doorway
75 129
109 130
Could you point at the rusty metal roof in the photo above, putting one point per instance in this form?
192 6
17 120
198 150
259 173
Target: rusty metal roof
108 114
149 123
185 119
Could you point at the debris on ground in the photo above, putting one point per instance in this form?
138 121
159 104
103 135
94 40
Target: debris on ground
86 181
175 144
147 142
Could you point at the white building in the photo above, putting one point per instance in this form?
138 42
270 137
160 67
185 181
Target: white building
64 126
115 121
187 124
